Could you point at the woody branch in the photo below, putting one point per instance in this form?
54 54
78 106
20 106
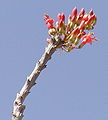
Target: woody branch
18 107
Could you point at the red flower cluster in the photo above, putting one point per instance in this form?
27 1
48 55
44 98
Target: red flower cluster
73 33
49 22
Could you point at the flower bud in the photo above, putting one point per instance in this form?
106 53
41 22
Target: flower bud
89 20
91 12
61 17
74 12
81 13
88 38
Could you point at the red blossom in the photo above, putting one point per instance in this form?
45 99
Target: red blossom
51 21
87 38
74 32
61 17
91 12
74 12
81 13
91 19
86 20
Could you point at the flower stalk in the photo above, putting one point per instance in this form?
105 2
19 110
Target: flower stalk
18 107
72 35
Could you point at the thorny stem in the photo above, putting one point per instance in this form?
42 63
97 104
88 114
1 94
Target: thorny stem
18 107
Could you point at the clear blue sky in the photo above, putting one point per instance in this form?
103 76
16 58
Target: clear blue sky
75 85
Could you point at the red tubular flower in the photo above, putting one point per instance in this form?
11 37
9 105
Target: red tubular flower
50 26
91 19
87 38
91 12
61 17
81 13
48 21
80 16
74 12
82 24
51 21
73 34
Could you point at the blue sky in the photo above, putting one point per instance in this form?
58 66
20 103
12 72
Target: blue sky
74 86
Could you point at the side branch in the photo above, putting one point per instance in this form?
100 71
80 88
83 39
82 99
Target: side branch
18 107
